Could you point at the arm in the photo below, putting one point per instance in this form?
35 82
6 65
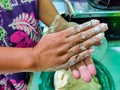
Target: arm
50 45
47 11
20 59
51 51
15 59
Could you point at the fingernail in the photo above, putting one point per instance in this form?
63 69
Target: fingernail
88 24
100 35
85 25
76 74
91 69
97 38
85 73
91 50
104 26
95 22
97 29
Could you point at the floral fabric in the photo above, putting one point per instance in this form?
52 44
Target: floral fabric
19 27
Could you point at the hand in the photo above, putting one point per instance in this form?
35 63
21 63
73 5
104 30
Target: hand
85 68
54 50
61 24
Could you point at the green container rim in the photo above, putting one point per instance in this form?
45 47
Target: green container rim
103 75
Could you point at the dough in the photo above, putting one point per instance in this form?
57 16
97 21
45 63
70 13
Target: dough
64 80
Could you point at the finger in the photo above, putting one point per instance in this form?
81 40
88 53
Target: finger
78 57
66 62
95 40
87 44
81 37
98 43
75 71
76 29
90 65
86 76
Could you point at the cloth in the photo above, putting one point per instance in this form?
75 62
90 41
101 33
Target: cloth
64 80
19 27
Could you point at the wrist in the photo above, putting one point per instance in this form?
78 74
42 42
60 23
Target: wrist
28 61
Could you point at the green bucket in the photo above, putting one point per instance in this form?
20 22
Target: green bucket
46 81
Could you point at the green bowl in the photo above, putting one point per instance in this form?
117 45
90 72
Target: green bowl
103 75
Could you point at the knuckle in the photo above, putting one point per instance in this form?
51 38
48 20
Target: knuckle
64 59
83 36
73 30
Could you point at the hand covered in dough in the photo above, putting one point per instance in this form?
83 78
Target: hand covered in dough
84 68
